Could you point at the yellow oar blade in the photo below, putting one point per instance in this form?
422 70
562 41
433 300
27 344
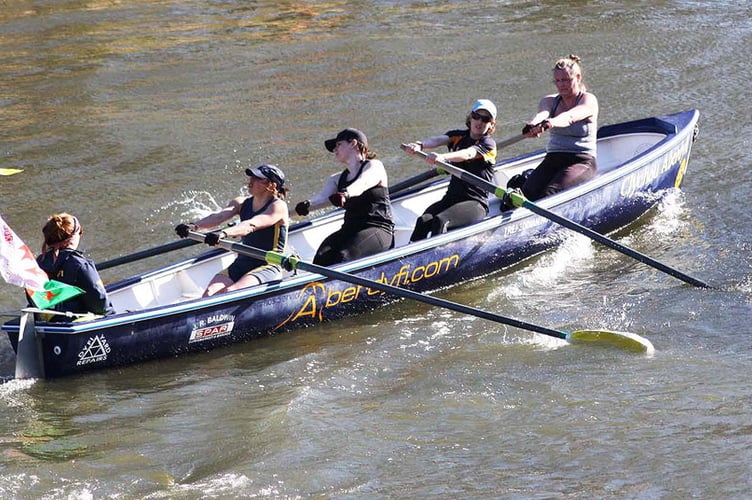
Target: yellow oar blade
10 171
624 340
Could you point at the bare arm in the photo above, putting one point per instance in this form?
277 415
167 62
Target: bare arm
215 219
438 141
321 200
374 174
586 108
542 121
274 213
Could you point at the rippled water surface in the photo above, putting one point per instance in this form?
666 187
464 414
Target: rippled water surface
137 114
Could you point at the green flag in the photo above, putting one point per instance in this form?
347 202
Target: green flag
54 292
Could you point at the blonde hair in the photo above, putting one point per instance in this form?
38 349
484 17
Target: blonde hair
571 64
60 228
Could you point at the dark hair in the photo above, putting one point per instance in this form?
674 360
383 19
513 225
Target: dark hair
368 155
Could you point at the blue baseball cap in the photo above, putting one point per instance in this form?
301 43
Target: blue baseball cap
269 172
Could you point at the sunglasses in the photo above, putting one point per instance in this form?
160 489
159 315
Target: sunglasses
478 116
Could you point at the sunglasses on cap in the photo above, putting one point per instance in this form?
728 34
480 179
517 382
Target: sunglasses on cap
477 116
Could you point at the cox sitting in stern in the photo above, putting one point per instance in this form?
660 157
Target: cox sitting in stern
264 221
362 190
62 261
571 117
471 149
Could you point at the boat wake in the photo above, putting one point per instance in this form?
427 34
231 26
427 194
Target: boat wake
670 211
9 390
548 271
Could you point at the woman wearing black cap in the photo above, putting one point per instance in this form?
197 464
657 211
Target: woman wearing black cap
263 224
62 261
362 190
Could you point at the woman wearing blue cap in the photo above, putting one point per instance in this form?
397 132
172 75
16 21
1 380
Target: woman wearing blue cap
471 149
362 190
263 224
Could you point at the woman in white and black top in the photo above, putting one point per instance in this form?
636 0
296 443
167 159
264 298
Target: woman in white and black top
362 190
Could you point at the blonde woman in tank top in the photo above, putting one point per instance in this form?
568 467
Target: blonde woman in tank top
570 116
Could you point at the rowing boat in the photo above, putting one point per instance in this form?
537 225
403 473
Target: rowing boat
160 313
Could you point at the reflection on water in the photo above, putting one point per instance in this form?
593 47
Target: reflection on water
136 115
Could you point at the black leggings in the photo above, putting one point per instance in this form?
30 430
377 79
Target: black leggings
557 172
445 215
343 245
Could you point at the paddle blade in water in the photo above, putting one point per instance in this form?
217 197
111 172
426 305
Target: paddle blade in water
624 340
10 171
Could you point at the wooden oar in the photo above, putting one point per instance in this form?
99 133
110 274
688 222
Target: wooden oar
519 200
623 340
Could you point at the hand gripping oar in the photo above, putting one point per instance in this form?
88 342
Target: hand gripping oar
623 340
429 174
177 245
518 200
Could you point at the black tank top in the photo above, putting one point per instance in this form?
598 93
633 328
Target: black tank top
371 209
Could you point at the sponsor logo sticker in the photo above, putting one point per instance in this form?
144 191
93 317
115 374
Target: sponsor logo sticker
211 332
95 350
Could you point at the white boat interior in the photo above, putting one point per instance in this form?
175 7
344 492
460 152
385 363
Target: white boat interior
188 280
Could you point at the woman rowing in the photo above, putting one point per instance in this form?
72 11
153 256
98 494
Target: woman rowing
263 224
571 118
362 190
472 149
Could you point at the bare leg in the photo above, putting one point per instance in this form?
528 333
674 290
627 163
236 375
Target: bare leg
221 284
218 284
245 281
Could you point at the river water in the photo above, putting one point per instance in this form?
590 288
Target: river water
135 115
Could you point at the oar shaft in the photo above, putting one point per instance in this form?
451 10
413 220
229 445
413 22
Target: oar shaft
280 259
568 223
143 254
413 181
509 141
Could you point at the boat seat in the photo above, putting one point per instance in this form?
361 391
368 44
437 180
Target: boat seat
189 289
500 178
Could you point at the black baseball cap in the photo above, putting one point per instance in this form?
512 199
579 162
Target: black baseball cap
346 135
